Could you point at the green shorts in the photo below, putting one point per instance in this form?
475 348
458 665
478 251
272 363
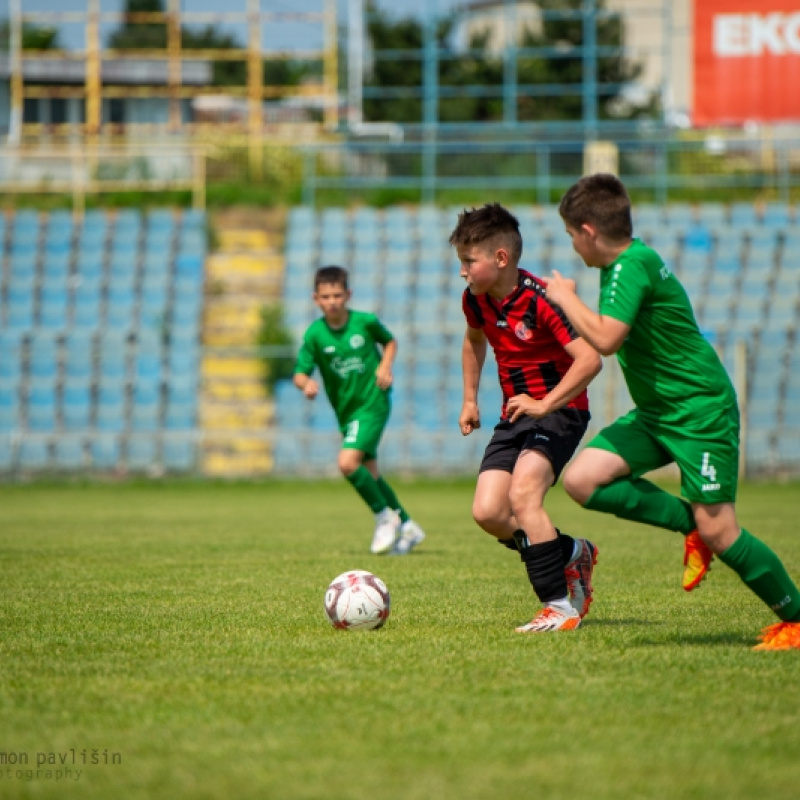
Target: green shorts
364 430
707 455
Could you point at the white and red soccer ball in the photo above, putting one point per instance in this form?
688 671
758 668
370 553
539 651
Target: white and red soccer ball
357 601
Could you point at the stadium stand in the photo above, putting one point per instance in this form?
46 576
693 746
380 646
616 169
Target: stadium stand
94 315
738 263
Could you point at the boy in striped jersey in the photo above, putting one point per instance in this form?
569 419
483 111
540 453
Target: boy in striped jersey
544 369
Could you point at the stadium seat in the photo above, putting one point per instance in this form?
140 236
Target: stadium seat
105 451
41 409
34 453
141 452
178 452
68 452
76 405
7 452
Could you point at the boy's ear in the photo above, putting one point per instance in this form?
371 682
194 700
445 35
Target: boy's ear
589 229
501 257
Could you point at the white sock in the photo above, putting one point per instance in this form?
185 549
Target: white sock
562 604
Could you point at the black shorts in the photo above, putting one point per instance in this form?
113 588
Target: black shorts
556 436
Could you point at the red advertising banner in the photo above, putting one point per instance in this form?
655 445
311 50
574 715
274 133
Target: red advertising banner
746 61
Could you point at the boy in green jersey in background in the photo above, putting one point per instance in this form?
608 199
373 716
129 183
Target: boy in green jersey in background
685 406
354 353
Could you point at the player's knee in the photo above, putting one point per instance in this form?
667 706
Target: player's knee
349 462
578 484
485 515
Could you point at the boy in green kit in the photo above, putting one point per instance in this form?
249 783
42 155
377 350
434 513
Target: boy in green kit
685 406
354 353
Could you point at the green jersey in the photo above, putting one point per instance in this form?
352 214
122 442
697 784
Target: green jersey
347 359
674 375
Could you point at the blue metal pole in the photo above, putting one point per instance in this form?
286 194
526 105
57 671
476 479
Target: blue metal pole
590 69
430 120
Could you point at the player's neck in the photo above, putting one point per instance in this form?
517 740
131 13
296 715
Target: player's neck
506 282
610 251
339 321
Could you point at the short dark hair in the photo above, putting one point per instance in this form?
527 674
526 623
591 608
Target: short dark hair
482 225
331 274
600 200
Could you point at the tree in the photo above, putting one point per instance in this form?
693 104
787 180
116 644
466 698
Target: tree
483 69
140 35
34 37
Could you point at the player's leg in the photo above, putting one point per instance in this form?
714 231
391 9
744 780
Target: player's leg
759 568
561 578
605 477
351 464
409 534
539 546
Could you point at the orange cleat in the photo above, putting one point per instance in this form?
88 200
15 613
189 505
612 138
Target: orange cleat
697 560
579 577
780 636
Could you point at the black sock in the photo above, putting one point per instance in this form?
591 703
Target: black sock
565 540
544 563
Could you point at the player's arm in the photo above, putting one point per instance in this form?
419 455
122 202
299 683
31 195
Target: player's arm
303 368
306 384
383 374
473 356
602 332
586 363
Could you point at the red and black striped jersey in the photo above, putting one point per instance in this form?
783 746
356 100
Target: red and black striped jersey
528 336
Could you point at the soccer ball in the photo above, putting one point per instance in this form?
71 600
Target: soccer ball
357 600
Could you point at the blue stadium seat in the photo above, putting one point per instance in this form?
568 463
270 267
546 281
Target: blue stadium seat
113 355
34 453
89 265
43 355
743 214
178 452
180 416
105 451
9 408
142 452
76 405
68 452
78 355
7 452
41 409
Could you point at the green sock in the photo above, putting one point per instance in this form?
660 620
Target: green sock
764 574
391 499
641 501
363 482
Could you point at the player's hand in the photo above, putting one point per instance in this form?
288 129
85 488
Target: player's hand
470 418
383 377
311 389
558 287
523 405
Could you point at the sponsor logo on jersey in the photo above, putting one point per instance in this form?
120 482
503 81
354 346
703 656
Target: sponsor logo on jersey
344 366
329 349
523 332
501 323
356 341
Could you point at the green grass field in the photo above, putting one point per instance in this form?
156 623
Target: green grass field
177 630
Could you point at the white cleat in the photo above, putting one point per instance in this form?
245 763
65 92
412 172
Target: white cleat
410 536
552 619
387 523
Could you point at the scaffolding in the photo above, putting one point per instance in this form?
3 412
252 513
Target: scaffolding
175 62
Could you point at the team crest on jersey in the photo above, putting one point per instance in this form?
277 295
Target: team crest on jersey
523 332
356 341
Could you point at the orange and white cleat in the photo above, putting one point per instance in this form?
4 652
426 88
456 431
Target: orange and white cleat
552 619
579 577
697 560
780 636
